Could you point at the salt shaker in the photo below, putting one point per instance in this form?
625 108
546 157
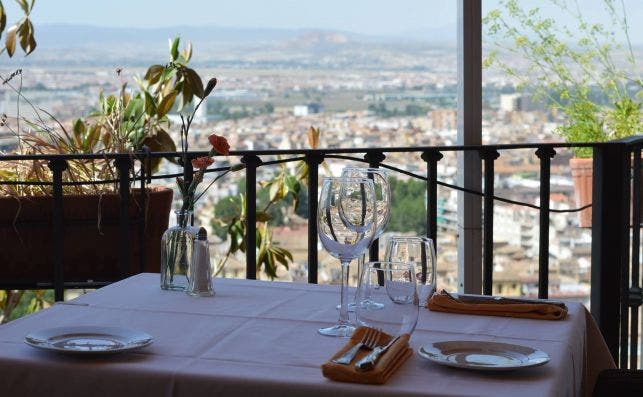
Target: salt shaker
200 273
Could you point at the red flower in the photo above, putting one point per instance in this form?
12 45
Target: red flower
202 162
219 144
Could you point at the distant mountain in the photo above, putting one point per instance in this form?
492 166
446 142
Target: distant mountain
75 45
74 36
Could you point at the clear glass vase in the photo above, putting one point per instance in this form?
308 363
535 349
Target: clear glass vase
177 252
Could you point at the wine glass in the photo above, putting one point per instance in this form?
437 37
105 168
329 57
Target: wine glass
387 297
346 226
379 177
419 251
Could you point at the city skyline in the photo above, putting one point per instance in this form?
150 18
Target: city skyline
403 18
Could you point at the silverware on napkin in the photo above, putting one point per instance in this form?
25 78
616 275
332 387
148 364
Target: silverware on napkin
367 363
469 298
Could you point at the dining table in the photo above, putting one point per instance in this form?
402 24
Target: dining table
259 338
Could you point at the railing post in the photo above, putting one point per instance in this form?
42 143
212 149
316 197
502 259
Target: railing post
251 162
610 240
489 156
545 154
57 167
313 160
374 158
146 173
188 175
123 165
469 115
635 296
431 157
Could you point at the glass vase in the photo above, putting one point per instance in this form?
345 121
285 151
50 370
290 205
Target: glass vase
177 252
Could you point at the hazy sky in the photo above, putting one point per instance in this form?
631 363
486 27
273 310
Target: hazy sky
379 17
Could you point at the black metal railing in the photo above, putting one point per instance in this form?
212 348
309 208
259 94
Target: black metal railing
616 293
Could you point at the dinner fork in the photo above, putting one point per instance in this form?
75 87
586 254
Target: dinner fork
369 341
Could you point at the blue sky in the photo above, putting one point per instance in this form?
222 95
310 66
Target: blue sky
376 17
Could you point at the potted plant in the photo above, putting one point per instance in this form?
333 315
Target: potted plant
126 122
584 73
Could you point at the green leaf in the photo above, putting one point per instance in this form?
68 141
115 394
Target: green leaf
168 73
161 142
79 127
187 94
263 216
134 110
195 82
186 54
236 231
166 104
25 33
150 104
154 73
3 18
32 44
92 138
10 42
24 5
174 49
292 184
78 130
302 170
277 190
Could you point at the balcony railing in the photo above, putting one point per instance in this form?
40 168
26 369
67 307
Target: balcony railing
616 293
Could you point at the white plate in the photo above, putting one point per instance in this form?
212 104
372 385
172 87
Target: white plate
88 340
480 355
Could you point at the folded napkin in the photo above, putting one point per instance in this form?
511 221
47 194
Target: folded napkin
385 367
489 306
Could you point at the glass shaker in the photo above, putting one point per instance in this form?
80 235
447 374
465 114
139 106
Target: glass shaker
200 272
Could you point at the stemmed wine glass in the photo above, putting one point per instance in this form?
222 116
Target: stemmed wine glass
382 204
346 226
419 251
387 297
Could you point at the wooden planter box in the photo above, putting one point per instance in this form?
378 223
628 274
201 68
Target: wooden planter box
91 249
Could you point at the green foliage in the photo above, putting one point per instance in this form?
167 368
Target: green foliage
278 212
567 67
123 122
17 303
22 32
277 199
408 206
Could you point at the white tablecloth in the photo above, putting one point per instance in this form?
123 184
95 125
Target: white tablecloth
260 338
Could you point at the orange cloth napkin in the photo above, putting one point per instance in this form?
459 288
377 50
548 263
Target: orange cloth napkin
385 367
506 307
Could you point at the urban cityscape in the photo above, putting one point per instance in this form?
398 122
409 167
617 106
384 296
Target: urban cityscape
358 93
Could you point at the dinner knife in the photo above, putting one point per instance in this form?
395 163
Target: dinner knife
470 298
367 363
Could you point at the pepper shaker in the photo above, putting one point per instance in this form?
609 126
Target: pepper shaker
200 272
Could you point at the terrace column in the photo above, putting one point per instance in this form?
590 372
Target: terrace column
469 133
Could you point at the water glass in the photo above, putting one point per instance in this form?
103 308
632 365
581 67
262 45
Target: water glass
387 297
346 226
420 252
379 176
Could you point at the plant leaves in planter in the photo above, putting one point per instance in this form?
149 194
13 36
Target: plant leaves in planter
161 142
